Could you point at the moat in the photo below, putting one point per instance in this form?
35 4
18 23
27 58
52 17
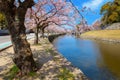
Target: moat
97 60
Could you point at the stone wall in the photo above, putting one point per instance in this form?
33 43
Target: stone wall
113 26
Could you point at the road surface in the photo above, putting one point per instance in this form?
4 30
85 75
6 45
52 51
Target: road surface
5 41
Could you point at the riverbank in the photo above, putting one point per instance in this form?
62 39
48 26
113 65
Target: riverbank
52 65
104 35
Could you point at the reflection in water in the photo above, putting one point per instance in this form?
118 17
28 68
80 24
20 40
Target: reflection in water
99 61
111 56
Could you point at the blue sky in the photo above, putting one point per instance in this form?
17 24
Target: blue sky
94 5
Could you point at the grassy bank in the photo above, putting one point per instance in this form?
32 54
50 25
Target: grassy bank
108 35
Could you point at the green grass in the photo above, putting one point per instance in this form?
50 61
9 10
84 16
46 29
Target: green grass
103 34
49 50
65 74
38 44
13 72
32 74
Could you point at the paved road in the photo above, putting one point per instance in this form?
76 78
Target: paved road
5 40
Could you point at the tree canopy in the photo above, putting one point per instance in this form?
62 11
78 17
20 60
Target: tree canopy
110 12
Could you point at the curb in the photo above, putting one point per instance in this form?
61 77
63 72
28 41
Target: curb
5 47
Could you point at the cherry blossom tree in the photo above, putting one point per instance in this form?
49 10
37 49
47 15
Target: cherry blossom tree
50 12
56 29
96 25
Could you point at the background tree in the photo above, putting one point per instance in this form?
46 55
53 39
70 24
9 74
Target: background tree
3 22
50 12
96 25
110 12
56 29
15 11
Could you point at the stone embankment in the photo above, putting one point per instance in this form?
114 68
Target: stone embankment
115 26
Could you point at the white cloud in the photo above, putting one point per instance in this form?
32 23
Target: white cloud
93 4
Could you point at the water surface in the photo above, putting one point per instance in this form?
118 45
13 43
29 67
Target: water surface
97 60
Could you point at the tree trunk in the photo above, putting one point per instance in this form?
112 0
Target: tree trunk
42 33
23 57
36 36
